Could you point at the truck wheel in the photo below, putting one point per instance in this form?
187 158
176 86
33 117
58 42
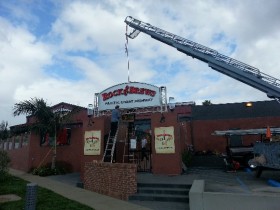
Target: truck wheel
246 160
258 172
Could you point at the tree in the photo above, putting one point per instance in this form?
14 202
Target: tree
4 132
46 121
206 103
42 113
4 163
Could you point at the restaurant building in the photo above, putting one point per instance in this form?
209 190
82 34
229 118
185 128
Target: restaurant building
170 129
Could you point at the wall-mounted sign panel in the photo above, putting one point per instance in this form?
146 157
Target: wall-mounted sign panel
92 145
133 144
164 140
129 95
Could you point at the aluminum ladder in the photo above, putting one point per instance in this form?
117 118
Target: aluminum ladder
108 155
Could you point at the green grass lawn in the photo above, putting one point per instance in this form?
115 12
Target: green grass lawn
46 199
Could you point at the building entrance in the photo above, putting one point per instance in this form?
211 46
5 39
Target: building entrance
139 135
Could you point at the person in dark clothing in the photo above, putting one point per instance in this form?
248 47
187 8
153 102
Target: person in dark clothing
116 115
144 149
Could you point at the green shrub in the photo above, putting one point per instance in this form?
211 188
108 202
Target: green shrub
4 163
46 170
42 171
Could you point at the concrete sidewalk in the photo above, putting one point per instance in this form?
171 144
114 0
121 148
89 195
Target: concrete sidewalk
217 180
91 199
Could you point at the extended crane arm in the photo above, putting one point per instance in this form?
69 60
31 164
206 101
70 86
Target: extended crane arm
221 63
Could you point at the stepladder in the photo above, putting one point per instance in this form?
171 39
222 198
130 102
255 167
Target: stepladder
108 155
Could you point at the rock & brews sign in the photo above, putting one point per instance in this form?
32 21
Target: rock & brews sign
129 95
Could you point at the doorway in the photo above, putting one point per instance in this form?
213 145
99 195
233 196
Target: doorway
141 129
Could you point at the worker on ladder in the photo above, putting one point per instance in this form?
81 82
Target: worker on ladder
116 115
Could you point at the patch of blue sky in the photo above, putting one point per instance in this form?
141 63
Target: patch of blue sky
10 12
218 37
64 70
221 37
232 47
211 76
177 67
165 70
90 54
77 53
46 17
165 63
95 56
36 16
4 12
173 15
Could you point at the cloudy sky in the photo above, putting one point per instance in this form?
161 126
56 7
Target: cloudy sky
67 50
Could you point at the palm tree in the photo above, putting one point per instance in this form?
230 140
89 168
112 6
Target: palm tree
46 121
42 113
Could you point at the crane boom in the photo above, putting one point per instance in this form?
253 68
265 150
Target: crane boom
221 63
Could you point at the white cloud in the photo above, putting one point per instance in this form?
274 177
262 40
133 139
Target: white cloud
22 59
88 27
90 37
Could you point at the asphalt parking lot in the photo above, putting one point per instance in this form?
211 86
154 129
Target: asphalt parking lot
243 180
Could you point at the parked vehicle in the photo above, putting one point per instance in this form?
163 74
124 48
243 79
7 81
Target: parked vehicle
236 150
266 156
263 154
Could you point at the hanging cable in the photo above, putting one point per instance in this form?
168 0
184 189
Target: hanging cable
126 51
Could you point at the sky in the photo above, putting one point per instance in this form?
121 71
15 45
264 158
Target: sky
68 50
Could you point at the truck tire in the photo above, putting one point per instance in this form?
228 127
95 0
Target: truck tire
247 158
258 172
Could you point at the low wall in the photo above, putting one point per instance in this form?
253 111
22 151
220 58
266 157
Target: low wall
203 200
117 180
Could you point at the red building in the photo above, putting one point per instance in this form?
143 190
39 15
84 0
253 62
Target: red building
169 128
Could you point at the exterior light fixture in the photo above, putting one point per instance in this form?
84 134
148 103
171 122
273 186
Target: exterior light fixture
162 119
90 114
171 103
249 104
